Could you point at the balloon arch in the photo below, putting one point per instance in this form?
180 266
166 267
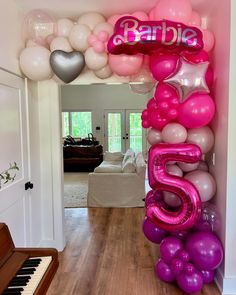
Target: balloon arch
167 48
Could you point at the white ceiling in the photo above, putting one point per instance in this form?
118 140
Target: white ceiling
74 8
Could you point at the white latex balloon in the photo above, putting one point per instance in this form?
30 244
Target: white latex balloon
104 73
34 63
64 26
79 37
103 27
95 61
60 43
91 19
174 133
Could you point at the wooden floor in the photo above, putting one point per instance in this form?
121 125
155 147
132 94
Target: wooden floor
107 254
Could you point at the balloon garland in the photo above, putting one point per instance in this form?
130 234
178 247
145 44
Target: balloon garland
169 48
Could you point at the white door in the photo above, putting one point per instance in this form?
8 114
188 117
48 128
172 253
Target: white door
123 130
14 199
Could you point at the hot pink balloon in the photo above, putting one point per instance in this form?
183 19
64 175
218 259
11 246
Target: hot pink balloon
201 56
131 38
163 65
175 10
165 92
204 183
196 111
209 77
160 180
125 65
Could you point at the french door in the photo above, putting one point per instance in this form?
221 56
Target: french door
123 130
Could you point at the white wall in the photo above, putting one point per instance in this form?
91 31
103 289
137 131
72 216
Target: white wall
98 98
10 35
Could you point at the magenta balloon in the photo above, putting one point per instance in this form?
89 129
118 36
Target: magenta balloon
182 235
169 248
205 250
165 91
184 256
160 180
164 272
153 233
163 65
177 266
190 283
201 56
209 77
197 111
153 197
189 269
208 276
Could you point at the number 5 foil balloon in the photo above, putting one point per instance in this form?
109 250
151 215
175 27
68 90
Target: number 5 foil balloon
159 180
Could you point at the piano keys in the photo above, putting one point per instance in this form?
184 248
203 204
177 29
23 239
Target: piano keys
25 270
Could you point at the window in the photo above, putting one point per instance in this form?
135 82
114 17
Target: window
76 124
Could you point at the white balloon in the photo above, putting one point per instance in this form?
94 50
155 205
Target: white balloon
60 43
34 63
95 61
104 73
64 26
91 19
103 27
79 37
154 136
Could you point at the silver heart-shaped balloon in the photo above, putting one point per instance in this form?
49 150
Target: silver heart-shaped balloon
67 65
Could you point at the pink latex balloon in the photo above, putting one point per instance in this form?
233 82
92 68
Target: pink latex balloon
98 46
187 167
203 166
154 136
175 10
141 15
103 36
113 19
195 19
196 111
204 183
125 65
203 137
166 92
163 65
152 14
131 38
201 56
160 180
171 199
208 40
174 133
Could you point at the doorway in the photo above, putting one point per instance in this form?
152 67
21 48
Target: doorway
123 130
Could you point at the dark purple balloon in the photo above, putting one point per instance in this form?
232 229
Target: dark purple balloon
190 283
176 266
153 233
205 250
208 276
164 272
169 248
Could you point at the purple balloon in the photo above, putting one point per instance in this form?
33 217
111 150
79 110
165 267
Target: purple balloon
190 283
153 233
177 266
164 272
205 250
182 235
208 276
189 269
169 248
184 256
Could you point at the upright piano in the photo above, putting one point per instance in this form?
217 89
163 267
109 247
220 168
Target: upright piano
25 270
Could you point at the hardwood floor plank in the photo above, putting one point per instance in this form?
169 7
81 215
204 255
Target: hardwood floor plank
107 254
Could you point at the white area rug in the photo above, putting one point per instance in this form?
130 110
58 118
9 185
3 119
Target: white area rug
75 189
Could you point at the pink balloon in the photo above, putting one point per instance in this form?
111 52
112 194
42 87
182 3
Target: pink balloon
160 180
166 92
203 137
197 110
171 199
163 65
201 56
195 19
175 10
125 65
130 38
113 19
154 136
208 40
204 183
98 46
203 166
103 36
187 167
141 15
152 14
174 133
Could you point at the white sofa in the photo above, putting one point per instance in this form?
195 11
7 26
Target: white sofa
119 181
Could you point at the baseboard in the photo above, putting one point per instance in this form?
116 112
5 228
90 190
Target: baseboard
227 286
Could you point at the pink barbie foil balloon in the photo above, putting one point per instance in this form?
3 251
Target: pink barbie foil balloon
160 180
133 36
